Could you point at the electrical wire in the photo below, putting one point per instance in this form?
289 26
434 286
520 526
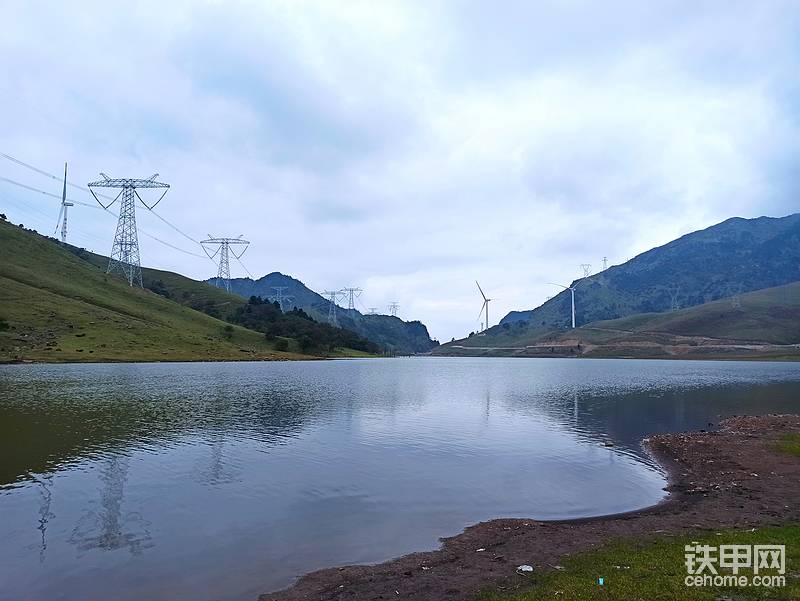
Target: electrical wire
96 206
85 189
243 267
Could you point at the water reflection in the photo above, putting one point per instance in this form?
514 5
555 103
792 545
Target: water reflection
227 480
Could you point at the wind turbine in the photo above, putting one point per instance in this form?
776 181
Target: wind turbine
64 204
485 307
572 291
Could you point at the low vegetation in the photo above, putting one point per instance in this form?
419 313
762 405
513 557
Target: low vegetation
654 570
59 305
267 317
789 443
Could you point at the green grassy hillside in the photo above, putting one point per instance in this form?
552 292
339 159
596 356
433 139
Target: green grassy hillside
771 315
761 324
54 306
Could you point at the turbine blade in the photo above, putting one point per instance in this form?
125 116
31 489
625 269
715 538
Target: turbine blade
481 290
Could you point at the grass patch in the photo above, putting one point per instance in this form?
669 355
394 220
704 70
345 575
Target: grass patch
789 443
654 570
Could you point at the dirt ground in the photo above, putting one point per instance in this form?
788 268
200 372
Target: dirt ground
727 478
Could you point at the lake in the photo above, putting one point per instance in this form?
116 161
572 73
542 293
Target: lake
212 481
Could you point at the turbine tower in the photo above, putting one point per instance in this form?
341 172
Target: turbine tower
485 306
224 250
64 204
125 252
351 294
393 307
572 291
279 296
333 296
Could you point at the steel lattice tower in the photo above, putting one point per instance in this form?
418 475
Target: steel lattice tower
393 307
279 296
224 251
333 296
125 252
351 294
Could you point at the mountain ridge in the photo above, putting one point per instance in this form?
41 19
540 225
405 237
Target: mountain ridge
391 333
732 257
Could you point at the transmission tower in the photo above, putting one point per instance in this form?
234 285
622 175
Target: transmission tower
605 263
125 252
224 251
735 291
333 296
351 294
674 290
587 269
64 205
279 296
393 307
373 310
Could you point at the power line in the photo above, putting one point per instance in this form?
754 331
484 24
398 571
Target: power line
85 189
98 207
243 266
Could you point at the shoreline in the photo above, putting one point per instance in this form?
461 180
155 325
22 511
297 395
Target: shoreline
728 358
730 477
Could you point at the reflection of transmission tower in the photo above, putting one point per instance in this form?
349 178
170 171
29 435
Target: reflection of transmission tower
333 296
45 515
279 296
674 290
587 269
111 528
125 252
351 294
224 251
393 307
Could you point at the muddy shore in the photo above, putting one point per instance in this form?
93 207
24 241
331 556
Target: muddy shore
727 478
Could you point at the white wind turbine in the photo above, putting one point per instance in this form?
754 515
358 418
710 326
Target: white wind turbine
485 306
572 291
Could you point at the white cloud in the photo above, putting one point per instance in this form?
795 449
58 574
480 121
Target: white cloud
411 148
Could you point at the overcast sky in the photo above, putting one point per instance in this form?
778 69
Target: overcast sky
408 148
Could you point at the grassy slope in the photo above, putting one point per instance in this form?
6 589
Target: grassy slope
654 570
61 308
770 316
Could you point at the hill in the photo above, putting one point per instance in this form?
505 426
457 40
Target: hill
760 324
735 256
58 304
388 332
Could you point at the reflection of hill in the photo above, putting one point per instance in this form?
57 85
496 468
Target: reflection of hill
47 423
627 417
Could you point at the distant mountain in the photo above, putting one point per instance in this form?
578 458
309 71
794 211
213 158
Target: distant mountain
732 257
388 332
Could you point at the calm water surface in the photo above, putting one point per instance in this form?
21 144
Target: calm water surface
226 480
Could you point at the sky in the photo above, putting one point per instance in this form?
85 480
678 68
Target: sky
407 148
